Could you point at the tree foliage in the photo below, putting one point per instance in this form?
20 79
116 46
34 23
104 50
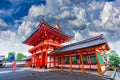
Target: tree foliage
20 56
114 58
9 55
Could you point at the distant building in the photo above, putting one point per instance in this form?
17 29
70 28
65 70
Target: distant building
2 58
28 61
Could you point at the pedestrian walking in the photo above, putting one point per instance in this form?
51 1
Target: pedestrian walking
14 66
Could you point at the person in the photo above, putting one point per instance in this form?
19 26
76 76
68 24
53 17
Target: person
14 66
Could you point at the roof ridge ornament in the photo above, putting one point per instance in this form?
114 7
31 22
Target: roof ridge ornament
57 27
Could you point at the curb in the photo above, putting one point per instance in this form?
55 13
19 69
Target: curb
112 76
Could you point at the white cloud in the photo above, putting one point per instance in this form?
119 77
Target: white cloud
26 29
6 12
80 13
63 15
117 3
95 5
96 16
93 33
115 46
8 35
10 41
77 23
52 6
3 23
97 23
17 21
110 17
7 46
107 12
35 11
77 36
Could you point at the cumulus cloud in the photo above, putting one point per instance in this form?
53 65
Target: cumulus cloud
8 35
93 33
107 12
35 11
7 47
30 22
94 18
115 46
117 3
11 41
64 15
110 17
6 12
3 24
26 29
83 19
80 13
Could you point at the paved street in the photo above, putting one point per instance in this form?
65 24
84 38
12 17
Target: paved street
117 76
22 74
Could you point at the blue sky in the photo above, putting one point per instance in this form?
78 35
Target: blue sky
81 18
12 10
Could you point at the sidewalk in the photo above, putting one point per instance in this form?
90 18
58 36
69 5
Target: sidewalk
38 69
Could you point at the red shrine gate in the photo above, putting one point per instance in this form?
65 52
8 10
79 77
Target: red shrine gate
45 40
49 53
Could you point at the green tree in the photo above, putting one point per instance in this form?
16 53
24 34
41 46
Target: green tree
20 56
114 58
9 55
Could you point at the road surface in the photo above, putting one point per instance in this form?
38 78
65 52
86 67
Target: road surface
22 74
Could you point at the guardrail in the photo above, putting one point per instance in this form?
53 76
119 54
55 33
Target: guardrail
9 64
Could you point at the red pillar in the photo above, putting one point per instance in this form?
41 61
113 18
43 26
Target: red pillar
70 60
62 62
54 62
83 71
50 62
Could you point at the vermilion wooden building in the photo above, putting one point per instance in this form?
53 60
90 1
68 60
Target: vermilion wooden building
49 53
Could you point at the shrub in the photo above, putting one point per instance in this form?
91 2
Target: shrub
111 68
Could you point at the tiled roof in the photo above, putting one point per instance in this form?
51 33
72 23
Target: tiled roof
27 58
43 22
61 32
82 44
